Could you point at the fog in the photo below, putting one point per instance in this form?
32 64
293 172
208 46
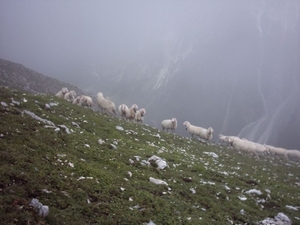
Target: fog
232 65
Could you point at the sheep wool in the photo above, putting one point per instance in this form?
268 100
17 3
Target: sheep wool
62 92
203 133
170 124
106 106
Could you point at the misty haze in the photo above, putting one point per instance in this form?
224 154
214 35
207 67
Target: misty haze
232 65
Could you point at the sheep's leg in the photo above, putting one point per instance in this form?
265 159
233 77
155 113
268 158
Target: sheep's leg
256 154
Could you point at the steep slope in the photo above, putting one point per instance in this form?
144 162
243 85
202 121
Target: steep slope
17 76
85 180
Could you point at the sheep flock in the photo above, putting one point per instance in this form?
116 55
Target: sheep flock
137 116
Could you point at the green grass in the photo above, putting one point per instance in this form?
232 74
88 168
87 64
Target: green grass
36 162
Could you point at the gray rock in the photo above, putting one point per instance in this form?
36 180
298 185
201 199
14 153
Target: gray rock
280 219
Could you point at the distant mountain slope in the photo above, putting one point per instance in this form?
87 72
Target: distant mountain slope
22 78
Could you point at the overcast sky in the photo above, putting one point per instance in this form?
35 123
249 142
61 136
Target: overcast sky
50 36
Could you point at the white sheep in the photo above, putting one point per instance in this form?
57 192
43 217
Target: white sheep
85 101
70 96
130 113
106 105
169 124
62 92
260 149
243 145
76 100
293 154
225 139
222 138
127 113
139 115
275 151
203 133
122 110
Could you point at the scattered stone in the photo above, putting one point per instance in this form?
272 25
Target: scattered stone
65 128
14 102
38 118
53 104
280 219
161 164
150 223
145 163
214 155
113 146
42 210
75 124
158 181
47 107
4 104
100 141
292 207
243 198
119 128
253 191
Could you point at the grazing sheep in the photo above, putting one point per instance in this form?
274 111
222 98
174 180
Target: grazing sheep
226 139
130 113
122 110
76 100
222 138
275 151
70 96
62 92
293 154
85 101
260 149
106 105
127 113
169 124
139 115
203 133
243 145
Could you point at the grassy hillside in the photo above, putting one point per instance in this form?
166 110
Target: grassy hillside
85 182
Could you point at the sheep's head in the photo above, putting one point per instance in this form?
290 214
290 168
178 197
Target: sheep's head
84 99
100 95
134 107
73 94
142 111
174 121
64 90
186 124
230 140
